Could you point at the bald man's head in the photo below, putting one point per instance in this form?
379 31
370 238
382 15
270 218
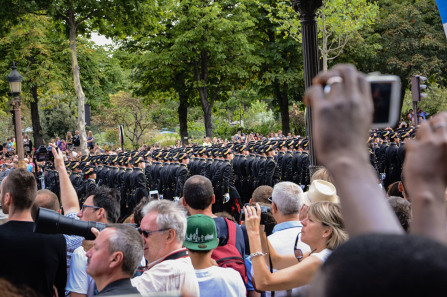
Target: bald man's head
46 199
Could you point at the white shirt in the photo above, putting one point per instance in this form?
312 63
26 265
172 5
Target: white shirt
174 276
220 282
78 280
283 241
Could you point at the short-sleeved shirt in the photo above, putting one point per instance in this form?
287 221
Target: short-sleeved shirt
220 282
168 276
78 279
73 241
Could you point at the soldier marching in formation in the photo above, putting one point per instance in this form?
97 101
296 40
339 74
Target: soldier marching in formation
235 169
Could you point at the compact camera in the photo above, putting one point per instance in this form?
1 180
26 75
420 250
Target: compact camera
154 194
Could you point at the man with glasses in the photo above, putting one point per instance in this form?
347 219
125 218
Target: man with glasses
101 206
170 269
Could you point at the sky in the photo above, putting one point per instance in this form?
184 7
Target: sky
442 7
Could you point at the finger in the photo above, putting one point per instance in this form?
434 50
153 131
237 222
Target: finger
424 131
95 231
258 209
439 125
349 74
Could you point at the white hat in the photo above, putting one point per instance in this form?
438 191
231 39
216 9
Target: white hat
320 190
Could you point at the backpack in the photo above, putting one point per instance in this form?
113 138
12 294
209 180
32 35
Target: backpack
228 256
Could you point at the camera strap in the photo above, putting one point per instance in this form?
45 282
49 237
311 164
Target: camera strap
177 255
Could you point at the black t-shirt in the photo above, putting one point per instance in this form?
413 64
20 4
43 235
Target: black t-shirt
32 259
222 234
76 140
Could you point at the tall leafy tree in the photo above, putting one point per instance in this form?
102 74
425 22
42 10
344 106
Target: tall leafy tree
80 17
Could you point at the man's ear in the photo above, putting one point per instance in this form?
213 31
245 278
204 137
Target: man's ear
400 187
184 202
213 200
116 259
8 199
171 235
274 208
101 213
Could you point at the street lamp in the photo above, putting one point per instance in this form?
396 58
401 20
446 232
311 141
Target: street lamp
15 84
307 10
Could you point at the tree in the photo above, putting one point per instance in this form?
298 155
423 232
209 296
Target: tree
131 113
205 42
81 17
339 22
33 44
281 71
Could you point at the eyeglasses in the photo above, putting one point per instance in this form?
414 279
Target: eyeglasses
270 199
298 252
147 233
91 206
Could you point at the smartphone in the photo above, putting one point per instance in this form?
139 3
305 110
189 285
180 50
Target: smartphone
385 91
154 194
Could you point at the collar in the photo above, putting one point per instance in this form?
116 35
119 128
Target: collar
287 225
179 252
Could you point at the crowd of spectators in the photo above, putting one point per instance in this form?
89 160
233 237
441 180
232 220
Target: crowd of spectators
342 237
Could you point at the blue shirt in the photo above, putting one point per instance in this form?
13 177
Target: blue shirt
286 225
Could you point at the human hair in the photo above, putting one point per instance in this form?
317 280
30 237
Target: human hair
137 214
385 265
170 216
69 136
46 199
393 190
21 185
90 134
198 192
287 198
109 199
262 194
322 174
329 214
128 241
402 209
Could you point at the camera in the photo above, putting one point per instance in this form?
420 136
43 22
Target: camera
154 194
265 210
44 154
51 222
385 91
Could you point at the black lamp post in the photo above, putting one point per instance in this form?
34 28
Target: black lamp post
15 84
307 10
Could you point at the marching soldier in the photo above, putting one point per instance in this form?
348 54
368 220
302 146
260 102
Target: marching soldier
182 174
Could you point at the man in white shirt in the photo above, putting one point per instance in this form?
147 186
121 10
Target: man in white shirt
169 267
201 239
286 205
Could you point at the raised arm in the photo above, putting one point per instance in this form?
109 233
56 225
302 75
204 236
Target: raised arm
69 199
340 123
425 172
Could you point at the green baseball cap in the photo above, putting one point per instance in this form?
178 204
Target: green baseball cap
201 233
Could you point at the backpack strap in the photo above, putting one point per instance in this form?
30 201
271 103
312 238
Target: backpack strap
231 232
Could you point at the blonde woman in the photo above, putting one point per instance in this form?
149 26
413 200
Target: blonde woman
323 230
90 140
69 141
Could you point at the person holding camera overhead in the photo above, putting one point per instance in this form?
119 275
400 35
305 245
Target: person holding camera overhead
323 230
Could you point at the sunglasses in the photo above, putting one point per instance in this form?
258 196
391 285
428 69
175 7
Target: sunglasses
147 233
91 206
298 252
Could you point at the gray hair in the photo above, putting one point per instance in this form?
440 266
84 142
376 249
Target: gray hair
171 215
127 240
287 197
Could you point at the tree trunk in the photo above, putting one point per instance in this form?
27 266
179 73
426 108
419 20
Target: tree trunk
77 83
183 118
324 50
283 101
201 75
35 119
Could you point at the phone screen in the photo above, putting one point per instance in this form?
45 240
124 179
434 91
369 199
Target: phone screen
381 95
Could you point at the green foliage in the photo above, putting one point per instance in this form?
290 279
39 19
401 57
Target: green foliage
297 119
57 120
435 102
260 119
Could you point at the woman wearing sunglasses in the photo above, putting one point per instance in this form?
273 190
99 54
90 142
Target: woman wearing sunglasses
323 230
